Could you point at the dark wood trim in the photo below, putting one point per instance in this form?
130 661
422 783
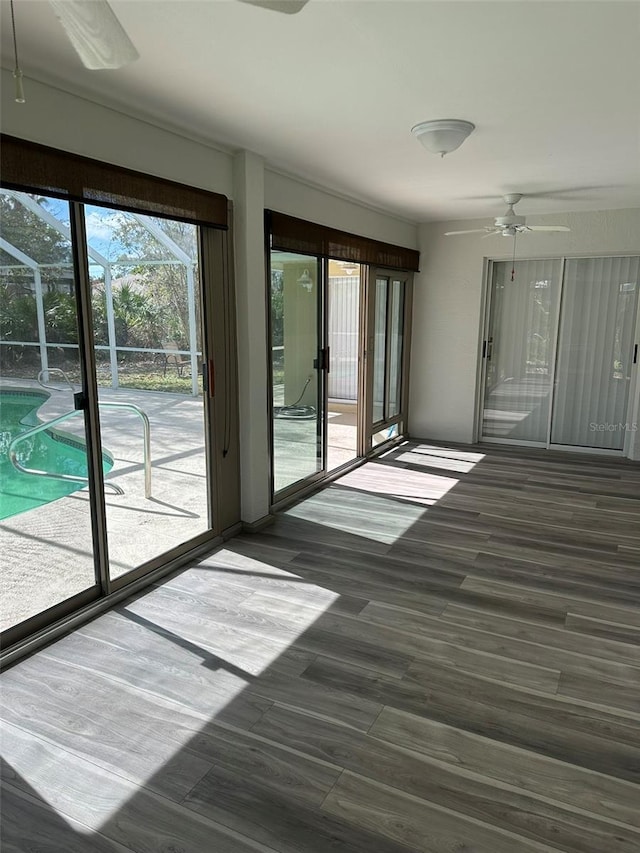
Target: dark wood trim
289 234
31 167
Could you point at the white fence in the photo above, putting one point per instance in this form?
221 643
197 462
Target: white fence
343 337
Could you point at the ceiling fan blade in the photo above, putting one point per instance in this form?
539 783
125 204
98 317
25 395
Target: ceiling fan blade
96 34
472 231
547 228
289 7
562 194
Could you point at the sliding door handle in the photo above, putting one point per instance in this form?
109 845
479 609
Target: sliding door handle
208 378
322 361
80 401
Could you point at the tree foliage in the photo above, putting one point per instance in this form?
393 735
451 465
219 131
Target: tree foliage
165 285
30 234
150 301
277 307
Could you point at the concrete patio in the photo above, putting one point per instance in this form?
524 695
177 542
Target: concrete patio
47 552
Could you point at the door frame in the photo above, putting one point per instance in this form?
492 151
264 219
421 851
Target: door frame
218 382
366 429
633 409
285 495
220 414
371 428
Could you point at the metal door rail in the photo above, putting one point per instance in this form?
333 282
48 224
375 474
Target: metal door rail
53 387
72 477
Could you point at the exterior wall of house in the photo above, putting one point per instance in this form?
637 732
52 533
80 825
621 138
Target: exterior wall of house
447 309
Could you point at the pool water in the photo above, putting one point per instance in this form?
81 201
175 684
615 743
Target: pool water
49 450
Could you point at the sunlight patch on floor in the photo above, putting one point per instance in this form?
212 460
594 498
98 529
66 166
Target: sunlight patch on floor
399 483
448 453
144 717
434 460
355 513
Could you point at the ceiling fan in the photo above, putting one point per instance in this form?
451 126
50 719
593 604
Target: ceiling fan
510 224
290 7
96 34
100 39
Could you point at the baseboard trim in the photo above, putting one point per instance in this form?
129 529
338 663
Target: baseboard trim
63 626
257 526
232 531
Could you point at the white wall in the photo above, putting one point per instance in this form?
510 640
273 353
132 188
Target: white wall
62 120
447 307
54 117
252 337
308 201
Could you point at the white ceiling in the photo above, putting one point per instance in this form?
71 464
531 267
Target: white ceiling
331 93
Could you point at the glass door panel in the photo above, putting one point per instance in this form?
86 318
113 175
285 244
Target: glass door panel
297 377
379 348
595 352
145 290
387 319
45 514
520 350
343 380
396 336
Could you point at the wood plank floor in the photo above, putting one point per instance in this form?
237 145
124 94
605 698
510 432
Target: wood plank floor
440 652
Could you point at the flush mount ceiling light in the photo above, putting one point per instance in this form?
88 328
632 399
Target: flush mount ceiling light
442 136
306 281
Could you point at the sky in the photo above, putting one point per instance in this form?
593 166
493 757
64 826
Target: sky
102 225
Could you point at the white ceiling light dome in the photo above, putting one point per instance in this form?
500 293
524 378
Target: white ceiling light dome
443 135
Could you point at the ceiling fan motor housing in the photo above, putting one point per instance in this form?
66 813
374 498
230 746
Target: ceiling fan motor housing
509 219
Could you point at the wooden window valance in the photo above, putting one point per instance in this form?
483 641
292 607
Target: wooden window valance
289 234
29 166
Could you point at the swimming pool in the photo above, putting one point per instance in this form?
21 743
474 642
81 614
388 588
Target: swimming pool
50 450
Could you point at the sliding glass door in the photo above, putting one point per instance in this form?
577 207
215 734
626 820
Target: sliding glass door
559 352
148 337
519 350
343 342
339 307
387 355
46 536
339 361
298 368
315 322
596 352
106 402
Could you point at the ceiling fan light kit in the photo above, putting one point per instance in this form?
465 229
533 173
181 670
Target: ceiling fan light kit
443 135
306 281
510 224
289 7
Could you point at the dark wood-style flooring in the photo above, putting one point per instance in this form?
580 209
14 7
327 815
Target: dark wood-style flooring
438 653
